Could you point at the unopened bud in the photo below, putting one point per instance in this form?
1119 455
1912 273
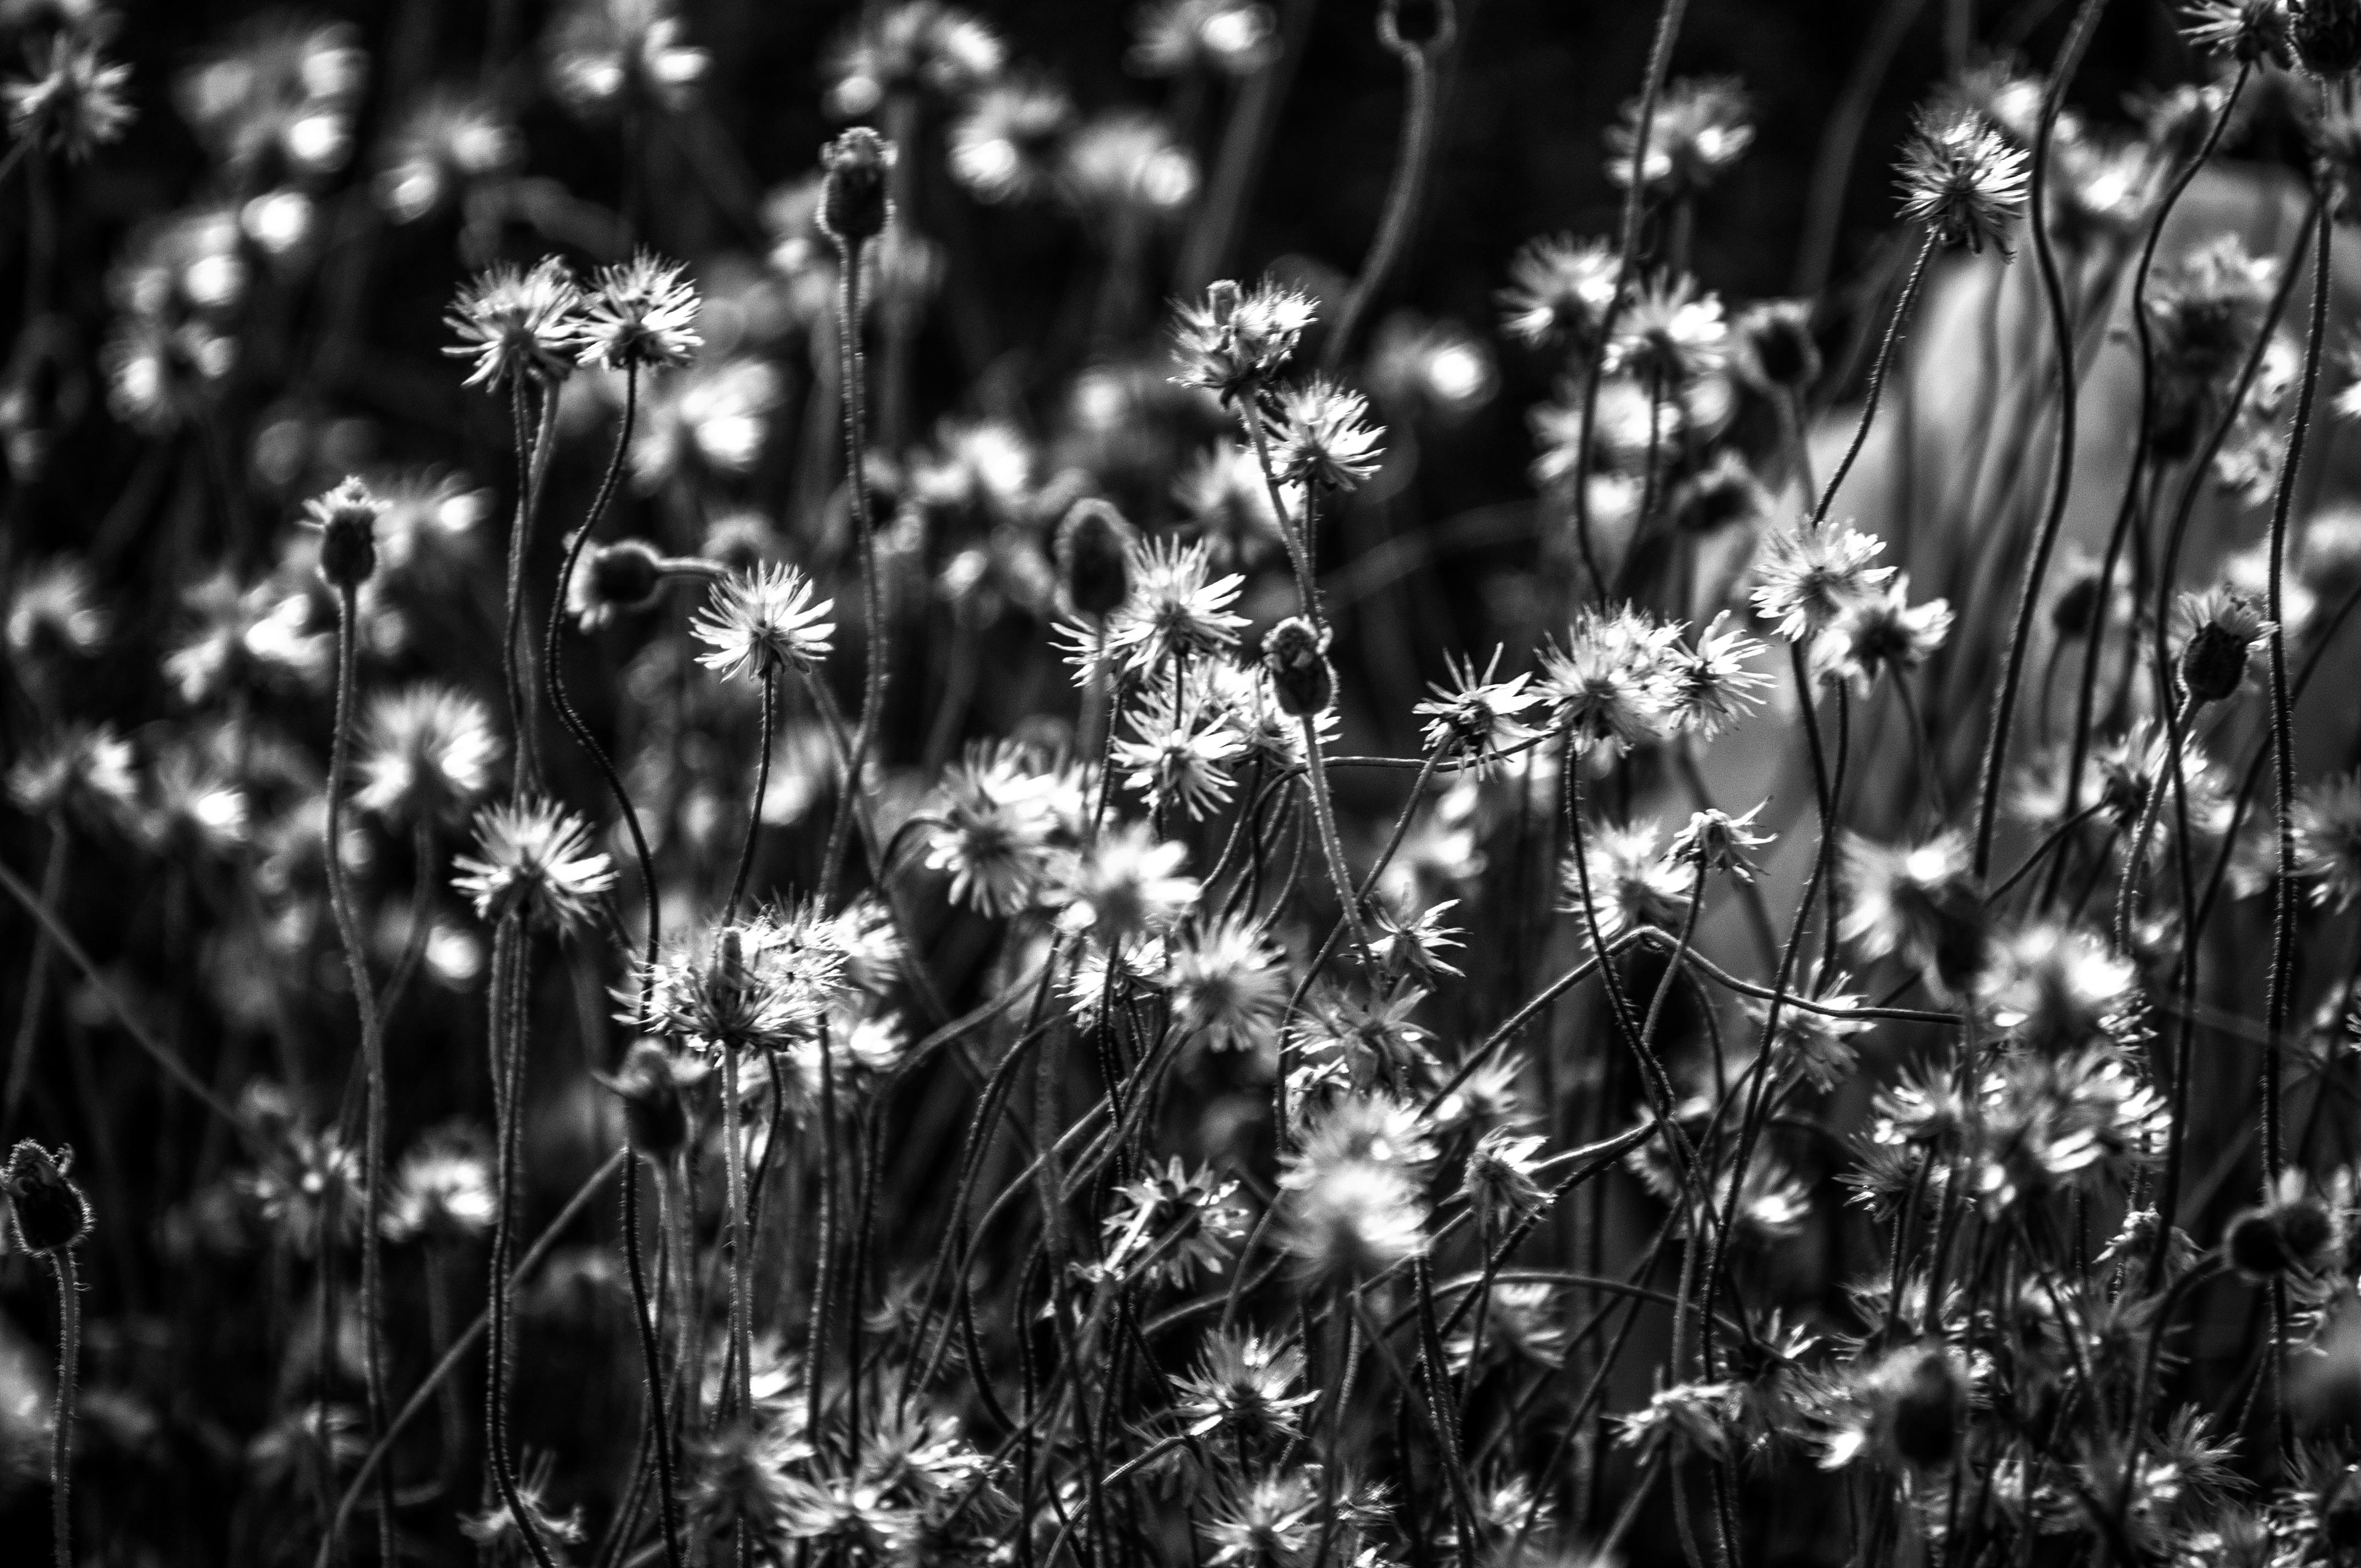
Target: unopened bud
624 576
1296 657
1926 1411
50 1212
346 519
853 203
655 1115
1093 554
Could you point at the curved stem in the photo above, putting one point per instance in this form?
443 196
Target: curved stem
1418 61
1902 307
1324 813
2061 476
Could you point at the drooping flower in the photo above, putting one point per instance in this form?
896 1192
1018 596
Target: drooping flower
1881 631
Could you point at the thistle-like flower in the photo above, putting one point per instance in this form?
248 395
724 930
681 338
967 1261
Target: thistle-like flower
518 326
1173 1225
1326 440
1610 686
1881 631
1232 38
533 858
996 825
1804 578
1272 1521
1125 884
1240 1388
1500 1182
1001 147
764 623
1177 609
1963 180
1691 1418
1177 754
1716 841
1714 684
1699 128
1238 339
2252 32
1476 716
1229 987
1559 291
1922 903
639 316
1634 882
428 756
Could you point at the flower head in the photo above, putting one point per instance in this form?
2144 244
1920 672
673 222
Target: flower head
1632 882
442 1194
1124 883
2223 625
1962 178
1230 38
1716 841
1177 608
1229 987
428 756
1241 1387
2328 840
1670 337
533 859
1238 339
1611 685
764 623
1173 1224
1881 631
1559 291
1804 578
518 325
1714 684
997 820
1921 902
1326 440
1698 129
640 314
1177 753
76 100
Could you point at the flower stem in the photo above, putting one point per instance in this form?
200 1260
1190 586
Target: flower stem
1419 61
852 369
755 809
61 1420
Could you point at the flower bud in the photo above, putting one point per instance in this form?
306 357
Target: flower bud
346 519
1926 1411
2076 607
1093 557
624 576
1776 340
1414 22
854 203
2327 36
1296 658
50 1212
2278 1238
2214 660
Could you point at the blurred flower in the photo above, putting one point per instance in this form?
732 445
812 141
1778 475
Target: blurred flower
533 858
2252 32
607 54
1699 128
52 612
996 825
1692 1419
280 105
913 46
1123 883
449 142
713 417
1882 631
1002 148
1921 902
1559 291
1634 882
1229 987
427 755
1240 1387
442 1195
1229 37
78 769
1269 1522
76 102
1669 337
1125 165
1223 494
2328 840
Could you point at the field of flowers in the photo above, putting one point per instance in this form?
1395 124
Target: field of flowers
1233 783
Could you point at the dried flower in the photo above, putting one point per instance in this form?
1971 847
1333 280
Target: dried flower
1238 339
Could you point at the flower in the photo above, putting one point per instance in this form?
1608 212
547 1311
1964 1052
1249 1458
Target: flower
1228 987
1177 753
1238 339
1670 337
1349 1219
1476 715
447 142
641 314
1712 684
2223 625
1962 178
1694 1418
1716 841
76 100
1177 610
1772 346
1124 883
2293 1232
1882 631
1271 1522
1560 290
1906 1408
1000 147
2328 840
79 769
1610 685
1921 902
1221 492
1698 129
1241 1386
345 519
442 1194
1230 38
2252 32
1325 439
1174 1224
764 623
1631 882
916 46
48 1210
1128 167
996 824
607 53
428 756
1806 577
534 860
2055 987
518 325
1813 1045
1500 1180
752 987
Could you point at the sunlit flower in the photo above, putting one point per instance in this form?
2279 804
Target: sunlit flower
1669 337
1173 1224
1714 684
1002 148
1632 882
1804 578
762 624
640 314
1177 609
1228 986
1238 339
1962 178
76 102
2328 840
1271 1522
1123 883
1478 717
1559 291
1882 631
1610 686
1699 128
427 755
1241 1387
1922 903
442 1194
533 858
996 825
607 53
1231 37
1325 439
518 325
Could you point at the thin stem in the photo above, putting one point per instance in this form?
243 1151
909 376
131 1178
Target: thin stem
61 1420
741 1255
37 976
2061 475
1324 813
853 367
651 1361
755 809
1419 61
1902 308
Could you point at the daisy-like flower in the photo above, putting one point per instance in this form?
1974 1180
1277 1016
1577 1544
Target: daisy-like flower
1962 178
1177 754
76 100
1240 1388
1128 167
448 142
2328 840
1815 1047
1806 577
764 623
1633 882
640 314
1001 147
1238 339
518 325
2055 987
1699 128
997 826
1271 1522
1411 949
442 1195
743 988
1716 841
1177 608
428 756
1125 884
1881 631
533 858
1500 1182
1610 686
1922 903
1476 716
1229 987
1345 1220
1559 291
1714 684
2253 32
1670 337
81 770
1174 1224
1231 37
608 53
1326 440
